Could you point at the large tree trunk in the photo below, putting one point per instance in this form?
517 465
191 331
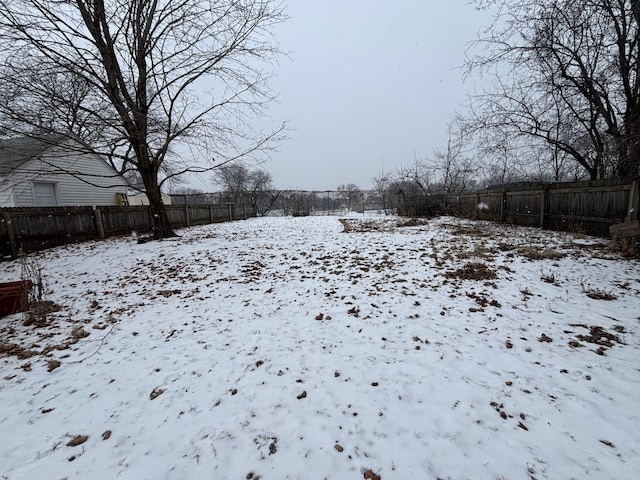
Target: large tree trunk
161 226
629 149
160 220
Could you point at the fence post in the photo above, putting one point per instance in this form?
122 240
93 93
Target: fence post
543 206
230 207
503 207
476 212
149 215
186 215
6 216
244 212
98 218
210 213
634 201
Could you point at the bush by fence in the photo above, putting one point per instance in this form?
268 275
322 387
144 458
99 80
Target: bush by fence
33 229
590 207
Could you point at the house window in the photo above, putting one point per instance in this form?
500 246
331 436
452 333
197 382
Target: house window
45 194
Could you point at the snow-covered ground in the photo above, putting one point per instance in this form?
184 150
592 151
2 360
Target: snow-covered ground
286 348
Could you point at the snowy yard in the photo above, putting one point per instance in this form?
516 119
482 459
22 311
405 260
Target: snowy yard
286 348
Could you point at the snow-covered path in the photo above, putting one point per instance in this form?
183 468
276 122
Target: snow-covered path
286 348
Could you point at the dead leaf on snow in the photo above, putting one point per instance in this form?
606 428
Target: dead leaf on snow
156 392
355 311
18 351
545 338
52 365
168 293
371 475
77 440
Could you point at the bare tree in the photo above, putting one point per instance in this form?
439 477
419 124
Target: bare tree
566 74
41 101
248 187
413 180
382 190
453 168
234 180
496 150
145 83
186 191
351 193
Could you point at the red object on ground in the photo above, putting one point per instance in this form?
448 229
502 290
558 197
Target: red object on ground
14 296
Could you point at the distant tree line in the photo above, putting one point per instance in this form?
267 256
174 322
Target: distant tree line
240 185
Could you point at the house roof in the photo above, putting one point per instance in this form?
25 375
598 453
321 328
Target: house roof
17 150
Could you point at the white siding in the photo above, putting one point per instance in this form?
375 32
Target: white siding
6 193
81 179
21 189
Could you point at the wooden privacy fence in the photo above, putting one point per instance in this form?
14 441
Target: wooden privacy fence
37 228
590 207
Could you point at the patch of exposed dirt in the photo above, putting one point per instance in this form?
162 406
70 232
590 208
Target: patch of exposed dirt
472 231
413 222
17 350
533 252
37 313
598 336
353 225
483 299
473 271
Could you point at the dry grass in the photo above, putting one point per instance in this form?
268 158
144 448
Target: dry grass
413 222
473 231
549 278
38 312
533 252
597 293
473 271
479 251
627 247
353 225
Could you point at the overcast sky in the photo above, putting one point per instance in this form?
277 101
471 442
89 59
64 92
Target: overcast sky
369 85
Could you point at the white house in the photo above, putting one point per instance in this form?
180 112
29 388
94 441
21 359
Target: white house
55 170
